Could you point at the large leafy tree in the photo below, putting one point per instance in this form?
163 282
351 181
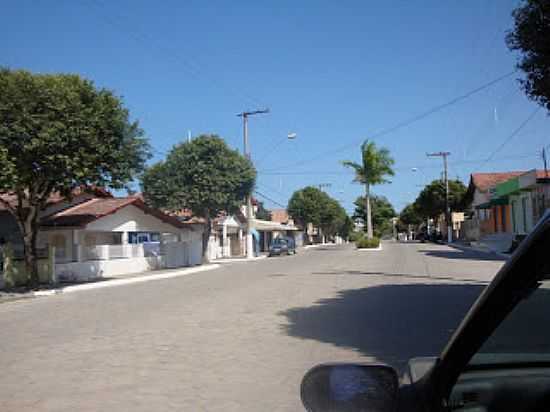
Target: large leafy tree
431 200
306 206
376 164
203 175
410 215
382 212
59 132
530 36
311 205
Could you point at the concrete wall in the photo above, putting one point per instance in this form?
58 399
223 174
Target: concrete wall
82 271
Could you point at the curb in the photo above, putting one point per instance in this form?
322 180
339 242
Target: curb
366 249
319 245
127 281
223 261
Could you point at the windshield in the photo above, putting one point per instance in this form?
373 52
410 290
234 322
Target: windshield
279 242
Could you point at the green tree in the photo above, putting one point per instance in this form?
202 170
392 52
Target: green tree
311 205
59 132
375 165
203 175
410 215
381 210
530 37
431 200
306 206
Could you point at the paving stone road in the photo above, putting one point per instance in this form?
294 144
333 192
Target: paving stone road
238 338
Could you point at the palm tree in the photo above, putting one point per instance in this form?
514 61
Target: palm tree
375 165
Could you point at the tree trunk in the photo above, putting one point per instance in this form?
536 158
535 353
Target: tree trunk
28 225
206 240
368 210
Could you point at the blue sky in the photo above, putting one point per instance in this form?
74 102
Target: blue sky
335 73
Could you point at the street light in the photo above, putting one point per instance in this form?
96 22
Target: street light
291 136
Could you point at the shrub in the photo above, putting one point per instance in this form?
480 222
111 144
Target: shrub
365 243
355 236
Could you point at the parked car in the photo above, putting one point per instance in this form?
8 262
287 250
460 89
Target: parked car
282 246
497 360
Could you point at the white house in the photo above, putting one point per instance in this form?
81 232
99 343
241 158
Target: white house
97 235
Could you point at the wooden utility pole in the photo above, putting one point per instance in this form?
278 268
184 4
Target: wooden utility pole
447 206
246 148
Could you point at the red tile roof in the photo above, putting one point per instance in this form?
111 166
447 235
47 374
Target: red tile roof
56 197
93 209
483 181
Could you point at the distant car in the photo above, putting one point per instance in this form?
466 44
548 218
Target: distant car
282 246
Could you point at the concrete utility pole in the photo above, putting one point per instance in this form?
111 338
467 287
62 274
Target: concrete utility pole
447 206
246 148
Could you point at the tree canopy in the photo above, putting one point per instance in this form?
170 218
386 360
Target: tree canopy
311 205
431 200
59 132
376 164
530 37
203 175
382 213
410 215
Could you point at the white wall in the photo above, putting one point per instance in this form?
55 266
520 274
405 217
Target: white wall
131 219
90 270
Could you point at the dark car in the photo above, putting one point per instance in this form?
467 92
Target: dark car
497 360
282 246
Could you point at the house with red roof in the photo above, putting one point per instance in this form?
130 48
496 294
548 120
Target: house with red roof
505 206
486 218
96 235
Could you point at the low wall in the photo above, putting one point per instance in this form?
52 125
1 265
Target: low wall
94 269
14 271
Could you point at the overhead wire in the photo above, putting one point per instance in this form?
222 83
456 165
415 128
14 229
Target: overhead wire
511 136
409 121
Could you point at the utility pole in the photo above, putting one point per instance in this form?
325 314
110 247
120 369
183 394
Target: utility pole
246 148
447 206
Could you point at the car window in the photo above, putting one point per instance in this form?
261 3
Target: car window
524 335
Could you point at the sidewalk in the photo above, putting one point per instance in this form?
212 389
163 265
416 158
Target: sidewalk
108 282
481 249
319 245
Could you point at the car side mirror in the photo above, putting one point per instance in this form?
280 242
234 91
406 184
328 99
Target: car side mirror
349 387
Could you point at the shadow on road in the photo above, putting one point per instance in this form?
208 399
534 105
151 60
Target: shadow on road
404 275
461 254
391 322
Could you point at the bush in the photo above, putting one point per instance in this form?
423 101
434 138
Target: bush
355 236
365 243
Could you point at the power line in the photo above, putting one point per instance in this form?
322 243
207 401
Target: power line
401 168
512 135
270 199
410 121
